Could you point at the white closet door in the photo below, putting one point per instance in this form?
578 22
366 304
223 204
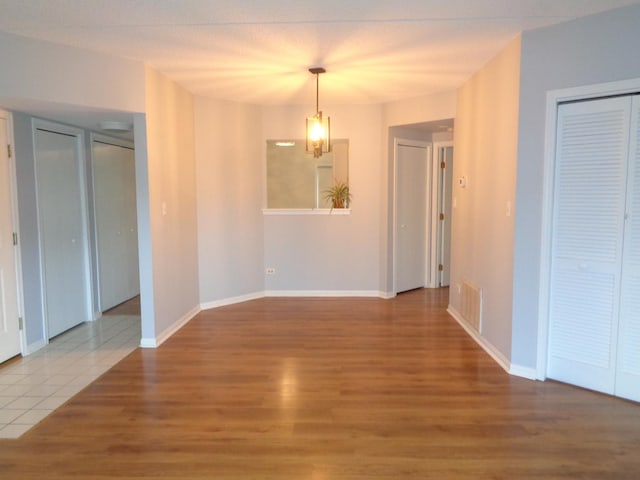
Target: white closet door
628 375
115 208
411 194
62 229
591 172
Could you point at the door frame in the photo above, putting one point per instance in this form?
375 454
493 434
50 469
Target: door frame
439 242
15 220
554 98
430 251
78 133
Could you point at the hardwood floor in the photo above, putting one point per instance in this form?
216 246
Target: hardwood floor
327 389
130 307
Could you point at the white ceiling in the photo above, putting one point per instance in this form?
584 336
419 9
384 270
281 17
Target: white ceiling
258 51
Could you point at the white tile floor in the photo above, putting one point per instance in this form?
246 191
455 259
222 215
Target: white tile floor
34 386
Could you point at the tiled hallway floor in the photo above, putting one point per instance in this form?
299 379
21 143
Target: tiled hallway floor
32 387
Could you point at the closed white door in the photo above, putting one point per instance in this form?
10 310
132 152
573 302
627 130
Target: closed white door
115 211
445 184
9 329
594 335
628 364
411 216
61 215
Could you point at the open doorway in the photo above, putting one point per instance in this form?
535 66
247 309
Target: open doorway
421 204
36 331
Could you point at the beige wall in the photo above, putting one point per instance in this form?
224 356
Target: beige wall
229 154
35 71
485 145
404 112
326 253
172 202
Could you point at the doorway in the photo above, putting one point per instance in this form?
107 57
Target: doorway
589 287
444 155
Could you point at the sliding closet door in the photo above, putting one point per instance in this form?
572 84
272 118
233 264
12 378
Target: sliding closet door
628 375
588 225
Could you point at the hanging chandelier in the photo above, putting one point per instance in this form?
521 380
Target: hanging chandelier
318 127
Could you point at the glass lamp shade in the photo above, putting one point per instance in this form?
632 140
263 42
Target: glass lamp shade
318 135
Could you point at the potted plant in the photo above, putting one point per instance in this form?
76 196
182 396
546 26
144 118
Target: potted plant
338 195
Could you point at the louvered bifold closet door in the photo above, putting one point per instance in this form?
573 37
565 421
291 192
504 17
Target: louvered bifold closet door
589 202
628 371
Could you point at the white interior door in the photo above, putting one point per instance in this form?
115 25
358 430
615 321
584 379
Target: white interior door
9 329
116 220
445 184
59 175
411 215
586 254
628 364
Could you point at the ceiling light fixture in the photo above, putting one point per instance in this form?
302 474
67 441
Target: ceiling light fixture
114 126
318 128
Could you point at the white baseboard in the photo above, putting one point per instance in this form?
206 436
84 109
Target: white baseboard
34 347
231 300
148 343
323 293
486 345
524 372
160 339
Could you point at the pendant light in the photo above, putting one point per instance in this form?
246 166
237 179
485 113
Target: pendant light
318 134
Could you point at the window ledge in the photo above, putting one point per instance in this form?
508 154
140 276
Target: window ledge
306 211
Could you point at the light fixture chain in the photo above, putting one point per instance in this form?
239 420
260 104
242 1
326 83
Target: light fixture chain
317 92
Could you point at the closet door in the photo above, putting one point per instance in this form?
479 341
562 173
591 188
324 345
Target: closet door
115 209
628 375
586 257
62 228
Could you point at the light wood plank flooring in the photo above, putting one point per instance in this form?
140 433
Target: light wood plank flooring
327 389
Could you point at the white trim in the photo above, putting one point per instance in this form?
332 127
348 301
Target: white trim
555 97
325 293
306 211
484 343
148 343
524 372
118 142
231 300
169 331
34 347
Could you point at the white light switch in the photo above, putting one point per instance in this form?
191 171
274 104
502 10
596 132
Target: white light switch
164 209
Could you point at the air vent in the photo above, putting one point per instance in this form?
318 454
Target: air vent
471 305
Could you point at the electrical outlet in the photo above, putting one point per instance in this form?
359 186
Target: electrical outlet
270 271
